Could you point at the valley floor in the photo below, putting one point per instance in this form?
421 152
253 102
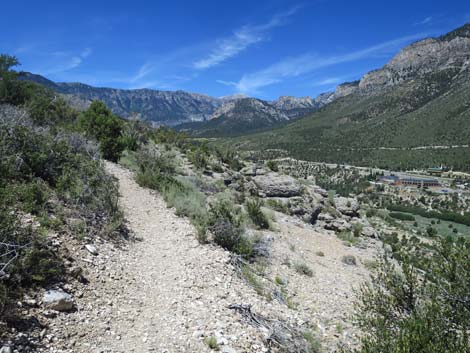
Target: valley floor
168 293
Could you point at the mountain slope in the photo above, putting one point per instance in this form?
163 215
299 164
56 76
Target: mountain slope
236 117
161 107
420 98
172 108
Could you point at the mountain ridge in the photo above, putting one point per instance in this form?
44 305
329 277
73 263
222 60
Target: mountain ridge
170 108
421 97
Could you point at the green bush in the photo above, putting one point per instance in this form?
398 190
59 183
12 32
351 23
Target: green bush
198 158
156 170
225 222
230 158
420 303
100 123
253 208
272 165
278 206
357 229
40 173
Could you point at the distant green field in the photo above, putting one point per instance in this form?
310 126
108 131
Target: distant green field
442 227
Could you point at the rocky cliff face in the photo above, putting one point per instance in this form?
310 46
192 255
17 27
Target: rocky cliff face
345 89
250 109
451 51
172 108
160 107
294 107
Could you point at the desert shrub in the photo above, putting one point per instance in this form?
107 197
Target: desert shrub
419 303
357 229
45 108
199 158
225 222
314 345
186 199
11 90
253 208
348 237
278 206
24 256
44 171
229 157
156 169
303 269
135 133
100 123
211 342
272 165
431 231
164 135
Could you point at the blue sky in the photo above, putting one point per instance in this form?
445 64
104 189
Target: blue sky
259 48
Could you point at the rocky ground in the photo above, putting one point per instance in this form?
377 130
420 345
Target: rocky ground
167 293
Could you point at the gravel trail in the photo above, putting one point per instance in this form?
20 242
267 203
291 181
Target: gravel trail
171 291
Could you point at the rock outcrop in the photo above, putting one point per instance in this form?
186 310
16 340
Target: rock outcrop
451 51
275 185
347 206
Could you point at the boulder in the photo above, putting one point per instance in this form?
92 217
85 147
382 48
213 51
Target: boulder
320 191
275 185
249 170
347 206
369 232
327 217
58 300
338 225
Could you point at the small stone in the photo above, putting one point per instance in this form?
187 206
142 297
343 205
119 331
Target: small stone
198 334
58 300
6 349
349 260
91 249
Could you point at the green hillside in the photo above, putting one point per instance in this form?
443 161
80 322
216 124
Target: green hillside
382 127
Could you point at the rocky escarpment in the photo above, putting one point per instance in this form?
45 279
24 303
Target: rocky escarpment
294 107
172 108
430 55
250 109
161 107
451 51
346 88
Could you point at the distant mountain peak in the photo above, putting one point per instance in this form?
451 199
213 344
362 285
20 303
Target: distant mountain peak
462 32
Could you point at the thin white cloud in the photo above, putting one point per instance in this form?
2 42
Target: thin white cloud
68 62
240 40
86 53
329 81
424 21
303 64
143 72
226 83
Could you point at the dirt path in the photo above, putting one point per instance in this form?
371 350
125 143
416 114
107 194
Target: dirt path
167 292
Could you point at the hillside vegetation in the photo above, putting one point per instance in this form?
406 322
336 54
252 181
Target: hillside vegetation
52 185
412 113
